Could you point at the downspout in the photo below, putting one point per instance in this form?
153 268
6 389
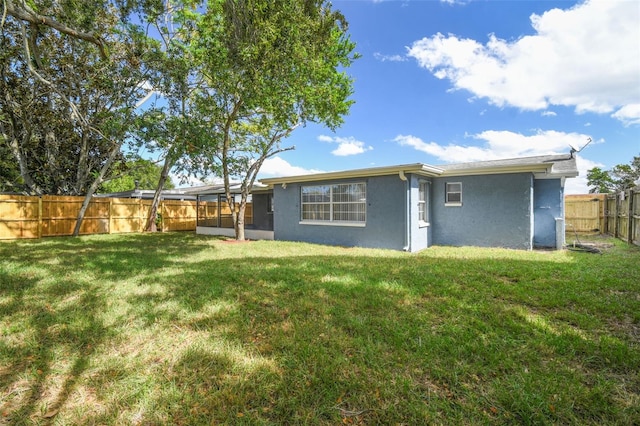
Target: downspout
407 200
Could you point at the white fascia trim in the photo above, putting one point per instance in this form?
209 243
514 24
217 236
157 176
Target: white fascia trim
417 168
530 168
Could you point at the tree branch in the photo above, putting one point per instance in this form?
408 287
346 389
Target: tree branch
24 13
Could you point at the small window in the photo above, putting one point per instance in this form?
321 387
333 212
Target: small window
453 196
423 215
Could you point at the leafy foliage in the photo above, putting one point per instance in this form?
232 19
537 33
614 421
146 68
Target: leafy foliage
621 178
235 78
66 112
268 67
145 172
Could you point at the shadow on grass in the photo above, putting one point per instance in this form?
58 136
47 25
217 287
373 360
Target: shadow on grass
52 313
180 330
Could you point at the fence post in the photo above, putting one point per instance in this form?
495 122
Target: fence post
110 218
39 217
605 219
141 215
162 214
615 216
630 218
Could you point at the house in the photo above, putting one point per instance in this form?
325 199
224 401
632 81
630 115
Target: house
180 194
214 214
514 203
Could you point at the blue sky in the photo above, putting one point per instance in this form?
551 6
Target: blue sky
458 81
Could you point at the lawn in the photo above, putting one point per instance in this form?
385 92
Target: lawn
177 329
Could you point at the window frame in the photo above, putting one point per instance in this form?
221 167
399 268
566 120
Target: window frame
423 203
270 203
331 203
447 200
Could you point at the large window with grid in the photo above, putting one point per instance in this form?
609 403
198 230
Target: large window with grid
423 212
343 203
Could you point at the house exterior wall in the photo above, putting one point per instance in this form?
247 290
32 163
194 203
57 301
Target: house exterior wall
385 216
548 205
496 211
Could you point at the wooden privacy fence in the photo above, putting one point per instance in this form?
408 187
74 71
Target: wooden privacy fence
623 216
585 213
36 217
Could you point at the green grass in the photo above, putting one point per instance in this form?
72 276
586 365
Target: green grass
181 329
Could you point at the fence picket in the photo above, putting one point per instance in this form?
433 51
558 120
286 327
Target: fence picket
36 217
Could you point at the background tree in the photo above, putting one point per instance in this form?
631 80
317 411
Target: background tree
66 112
620 178
145 172
22 11
600 181
170 126
270 66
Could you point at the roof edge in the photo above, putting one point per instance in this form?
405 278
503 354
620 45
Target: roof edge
417 168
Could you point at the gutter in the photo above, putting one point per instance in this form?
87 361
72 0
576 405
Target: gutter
407 207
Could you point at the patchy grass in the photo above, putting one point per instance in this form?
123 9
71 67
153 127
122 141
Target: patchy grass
181 329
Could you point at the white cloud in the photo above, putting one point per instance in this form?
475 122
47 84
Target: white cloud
579 185
454 2
586 57
389 58
346 146
448 153
628 114
276 166
548 114
500 144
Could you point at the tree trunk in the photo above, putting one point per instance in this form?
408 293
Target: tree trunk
94 186
82 173
153 210
240 220
22 164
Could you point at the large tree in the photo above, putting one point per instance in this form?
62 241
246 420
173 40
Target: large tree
20 10
130 174
620 178
270 66
66 111
170 126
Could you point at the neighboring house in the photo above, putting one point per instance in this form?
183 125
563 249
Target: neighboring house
514 203
148 194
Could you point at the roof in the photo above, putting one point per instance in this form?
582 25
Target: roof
549 166
218 188
416 168
147 194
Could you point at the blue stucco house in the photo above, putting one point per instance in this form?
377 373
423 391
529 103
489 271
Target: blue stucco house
514 203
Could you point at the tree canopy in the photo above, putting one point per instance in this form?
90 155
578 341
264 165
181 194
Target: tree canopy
65 112
235 78
269 66
128 175
620 178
